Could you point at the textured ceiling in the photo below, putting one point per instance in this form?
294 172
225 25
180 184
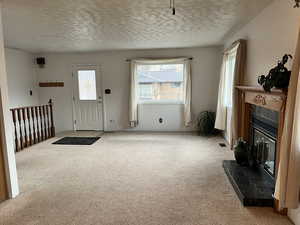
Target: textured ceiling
91 25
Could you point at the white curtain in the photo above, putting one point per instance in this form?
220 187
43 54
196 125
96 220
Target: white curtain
221 114
240 51
133 103
187 93
232 73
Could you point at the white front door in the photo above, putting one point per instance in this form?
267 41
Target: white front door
88 105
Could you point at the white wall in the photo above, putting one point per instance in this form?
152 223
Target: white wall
22 78
270 35
115 75
172 115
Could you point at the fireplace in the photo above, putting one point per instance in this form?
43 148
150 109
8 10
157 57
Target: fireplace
264 129
260 117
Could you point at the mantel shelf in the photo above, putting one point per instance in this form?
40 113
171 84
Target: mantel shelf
259 89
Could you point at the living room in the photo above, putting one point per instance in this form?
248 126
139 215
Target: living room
136 77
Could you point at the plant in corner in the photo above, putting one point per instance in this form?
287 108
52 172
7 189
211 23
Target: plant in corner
206 123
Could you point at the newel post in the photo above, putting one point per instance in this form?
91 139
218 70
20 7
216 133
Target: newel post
51 116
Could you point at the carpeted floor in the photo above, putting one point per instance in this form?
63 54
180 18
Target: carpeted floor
130 179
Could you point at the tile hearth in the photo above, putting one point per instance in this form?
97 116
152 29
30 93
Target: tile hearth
254 187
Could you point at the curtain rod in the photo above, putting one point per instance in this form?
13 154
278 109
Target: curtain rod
233 45
129 60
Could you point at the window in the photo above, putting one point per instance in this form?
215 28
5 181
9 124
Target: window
145 91
160 82
87 85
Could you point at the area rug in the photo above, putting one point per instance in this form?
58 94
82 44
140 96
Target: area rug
77 141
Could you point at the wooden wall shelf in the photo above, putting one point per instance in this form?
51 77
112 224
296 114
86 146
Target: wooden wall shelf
51 84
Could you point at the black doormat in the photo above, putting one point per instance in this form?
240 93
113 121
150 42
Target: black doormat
77 141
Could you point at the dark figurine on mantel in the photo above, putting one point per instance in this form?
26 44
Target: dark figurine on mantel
278 77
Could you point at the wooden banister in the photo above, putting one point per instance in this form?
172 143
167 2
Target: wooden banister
32 125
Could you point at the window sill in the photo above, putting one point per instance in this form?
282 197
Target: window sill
160 103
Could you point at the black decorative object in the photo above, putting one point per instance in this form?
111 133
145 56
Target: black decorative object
241 153
206 123
252 156
297 4
278 77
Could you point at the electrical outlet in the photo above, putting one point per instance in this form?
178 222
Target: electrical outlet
160 120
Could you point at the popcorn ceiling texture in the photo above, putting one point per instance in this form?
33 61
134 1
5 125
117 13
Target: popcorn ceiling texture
91 25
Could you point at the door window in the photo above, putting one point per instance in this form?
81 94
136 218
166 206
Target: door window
87 85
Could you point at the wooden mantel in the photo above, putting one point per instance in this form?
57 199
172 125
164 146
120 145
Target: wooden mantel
259 89
249 95
274 100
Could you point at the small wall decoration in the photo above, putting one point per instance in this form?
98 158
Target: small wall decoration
278 77
51 84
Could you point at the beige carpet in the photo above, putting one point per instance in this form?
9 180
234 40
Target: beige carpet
130 179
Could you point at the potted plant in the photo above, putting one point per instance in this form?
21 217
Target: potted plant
206 123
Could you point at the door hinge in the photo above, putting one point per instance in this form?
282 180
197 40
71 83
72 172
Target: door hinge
73 98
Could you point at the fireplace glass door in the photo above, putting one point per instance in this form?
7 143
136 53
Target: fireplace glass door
258 137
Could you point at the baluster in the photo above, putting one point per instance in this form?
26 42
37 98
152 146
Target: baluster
37 124
51 116
15 128
45 123
41 123
25 129
48 121
33 125
20 129
29 125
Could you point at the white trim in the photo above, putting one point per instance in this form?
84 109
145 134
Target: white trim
160 102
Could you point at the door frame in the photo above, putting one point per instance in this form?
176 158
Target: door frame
99 81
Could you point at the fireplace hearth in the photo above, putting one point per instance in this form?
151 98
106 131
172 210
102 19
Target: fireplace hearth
253 186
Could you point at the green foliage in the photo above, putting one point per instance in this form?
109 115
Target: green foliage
206 123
